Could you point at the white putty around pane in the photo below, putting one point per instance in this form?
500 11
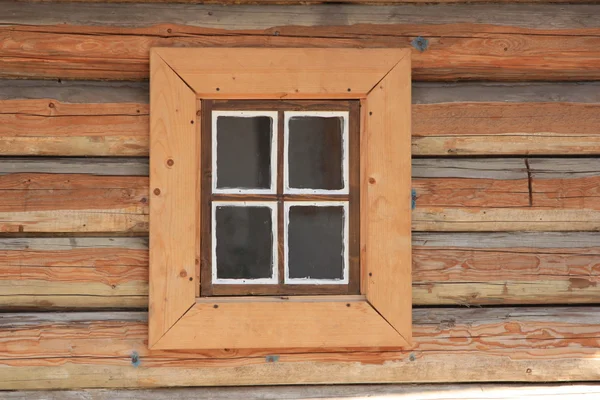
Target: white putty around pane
345 115
245 114
274 268
345 242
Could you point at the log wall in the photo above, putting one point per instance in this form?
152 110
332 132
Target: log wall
506 180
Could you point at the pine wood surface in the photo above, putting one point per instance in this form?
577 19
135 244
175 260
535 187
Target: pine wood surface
174 203
475 41
386 199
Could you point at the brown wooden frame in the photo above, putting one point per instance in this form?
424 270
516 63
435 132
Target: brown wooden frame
381 315
353 198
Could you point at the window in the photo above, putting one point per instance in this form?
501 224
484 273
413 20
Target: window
280 206
281 198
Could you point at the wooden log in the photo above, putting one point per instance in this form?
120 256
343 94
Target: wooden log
91 204
505 129
486 391
48 127
73 273
448 269
109 350
570 183
73 91
464 42
450 195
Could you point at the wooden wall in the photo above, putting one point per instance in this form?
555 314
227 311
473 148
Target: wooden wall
506 138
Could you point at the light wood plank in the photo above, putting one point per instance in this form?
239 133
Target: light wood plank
292 323
173 260
290 73
387 179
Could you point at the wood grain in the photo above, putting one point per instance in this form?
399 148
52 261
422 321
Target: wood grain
485 391
464 42
255 73
448 269
32 127
386 210
502 129
46 127
74 91
174 209
276 323
497 344
451 195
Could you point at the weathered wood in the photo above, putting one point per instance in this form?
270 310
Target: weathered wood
47 127
90 204
422 92
498 128
590 391
448 268
82 166
43 351
451 195
464 42
73 272
219 17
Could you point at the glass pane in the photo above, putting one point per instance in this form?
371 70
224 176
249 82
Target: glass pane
315 153
316 242
244 242
243 152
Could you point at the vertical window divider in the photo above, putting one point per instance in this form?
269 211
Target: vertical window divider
280 199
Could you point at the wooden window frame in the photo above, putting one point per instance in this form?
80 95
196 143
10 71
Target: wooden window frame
381 315
349 107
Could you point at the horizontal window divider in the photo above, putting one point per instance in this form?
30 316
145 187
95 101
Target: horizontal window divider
277 299
277 289
278 197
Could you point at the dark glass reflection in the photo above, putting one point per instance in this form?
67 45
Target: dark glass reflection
244 152
315 153
315 242
244 238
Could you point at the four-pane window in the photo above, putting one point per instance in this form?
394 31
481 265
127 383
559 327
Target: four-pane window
281 205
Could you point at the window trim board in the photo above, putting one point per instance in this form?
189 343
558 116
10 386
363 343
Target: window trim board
381 316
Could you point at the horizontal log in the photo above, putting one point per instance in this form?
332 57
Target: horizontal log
493 42
45 127
505 129
448 269
73 91
109 350
485 391
450 195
